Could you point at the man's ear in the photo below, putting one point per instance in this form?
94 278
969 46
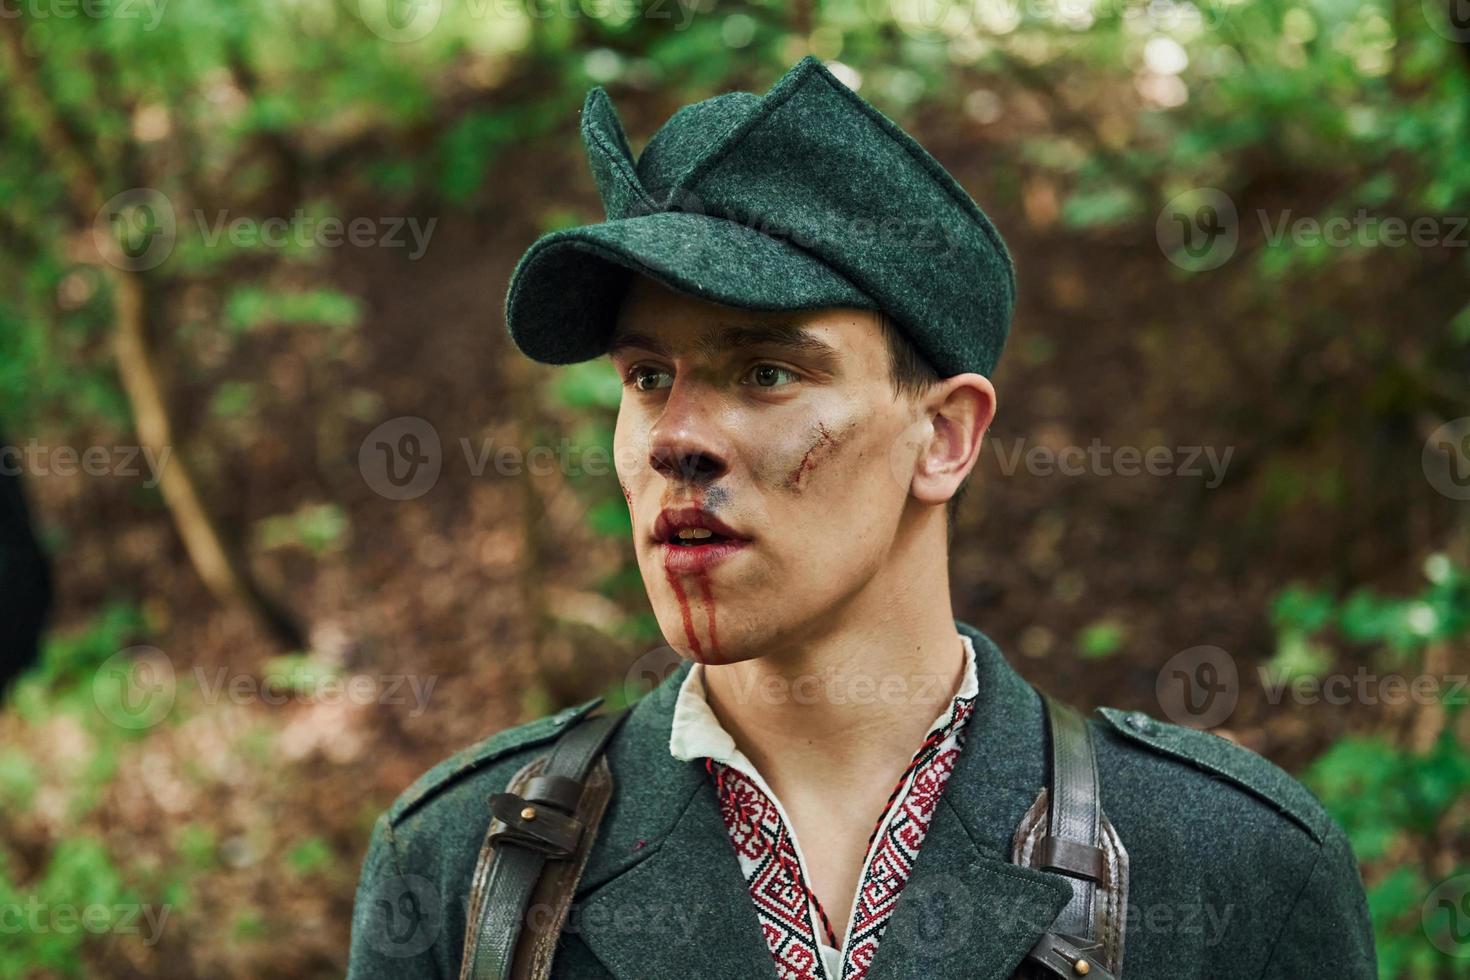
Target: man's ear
959 410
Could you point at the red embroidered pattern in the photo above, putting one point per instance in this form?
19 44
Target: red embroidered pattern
789 914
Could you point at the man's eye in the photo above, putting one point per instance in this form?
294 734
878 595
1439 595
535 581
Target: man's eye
649 379
770 376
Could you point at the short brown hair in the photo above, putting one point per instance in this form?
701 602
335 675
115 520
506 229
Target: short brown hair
912 375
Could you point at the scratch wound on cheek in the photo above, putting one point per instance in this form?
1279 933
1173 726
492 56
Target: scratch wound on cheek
626 495
823 447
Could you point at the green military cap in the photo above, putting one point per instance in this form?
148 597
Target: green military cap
805 197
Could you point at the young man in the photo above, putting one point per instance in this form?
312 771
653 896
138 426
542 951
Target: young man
841 781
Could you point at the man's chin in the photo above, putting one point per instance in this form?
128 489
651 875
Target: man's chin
719 658
697 639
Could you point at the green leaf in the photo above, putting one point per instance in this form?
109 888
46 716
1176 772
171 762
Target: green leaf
610 519
589 384
1100 640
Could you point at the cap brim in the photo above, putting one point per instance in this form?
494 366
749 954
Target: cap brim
564 295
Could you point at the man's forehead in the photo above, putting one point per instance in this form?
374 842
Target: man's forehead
708 338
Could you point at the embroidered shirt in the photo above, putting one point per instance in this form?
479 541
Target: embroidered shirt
795 927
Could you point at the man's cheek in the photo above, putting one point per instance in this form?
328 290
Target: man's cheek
796 464
630 456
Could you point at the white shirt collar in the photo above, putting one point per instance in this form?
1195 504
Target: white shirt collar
698 734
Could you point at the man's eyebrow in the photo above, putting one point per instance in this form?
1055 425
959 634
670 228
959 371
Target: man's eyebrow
797 339
625 339
734 337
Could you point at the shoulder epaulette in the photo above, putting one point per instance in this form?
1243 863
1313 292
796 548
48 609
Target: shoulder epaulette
483 753
1223 758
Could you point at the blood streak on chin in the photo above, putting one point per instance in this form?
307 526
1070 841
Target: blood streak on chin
694 646
709 609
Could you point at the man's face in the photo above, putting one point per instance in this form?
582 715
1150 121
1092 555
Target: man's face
762 457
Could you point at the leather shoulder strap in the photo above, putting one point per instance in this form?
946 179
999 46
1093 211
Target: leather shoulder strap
1076 840
540 833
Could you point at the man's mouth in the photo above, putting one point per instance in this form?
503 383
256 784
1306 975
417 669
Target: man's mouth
691 536
693 539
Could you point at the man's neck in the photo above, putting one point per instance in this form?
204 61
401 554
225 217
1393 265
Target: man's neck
848 705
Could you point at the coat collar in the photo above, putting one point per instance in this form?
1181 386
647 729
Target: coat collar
663 895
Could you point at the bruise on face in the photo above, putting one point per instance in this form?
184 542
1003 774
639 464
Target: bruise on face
715 498
822 446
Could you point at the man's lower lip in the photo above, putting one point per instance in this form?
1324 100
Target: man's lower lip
698 557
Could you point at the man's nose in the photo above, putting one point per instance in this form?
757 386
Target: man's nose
685 445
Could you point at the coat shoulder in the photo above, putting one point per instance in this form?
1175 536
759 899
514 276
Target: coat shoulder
1211 757
483 756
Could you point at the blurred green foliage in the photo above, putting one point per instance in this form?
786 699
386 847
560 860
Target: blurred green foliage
1404 809
82 891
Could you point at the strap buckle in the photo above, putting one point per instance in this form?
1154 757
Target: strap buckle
534 825
1071 857
1069 957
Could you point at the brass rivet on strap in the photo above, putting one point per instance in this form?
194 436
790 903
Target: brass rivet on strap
529 813
1081 967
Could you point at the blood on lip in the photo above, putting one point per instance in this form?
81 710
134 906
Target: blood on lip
671 521
697 558
694 555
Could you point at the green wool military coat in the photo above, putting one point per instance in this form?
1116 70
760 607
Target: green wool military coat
1235 869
